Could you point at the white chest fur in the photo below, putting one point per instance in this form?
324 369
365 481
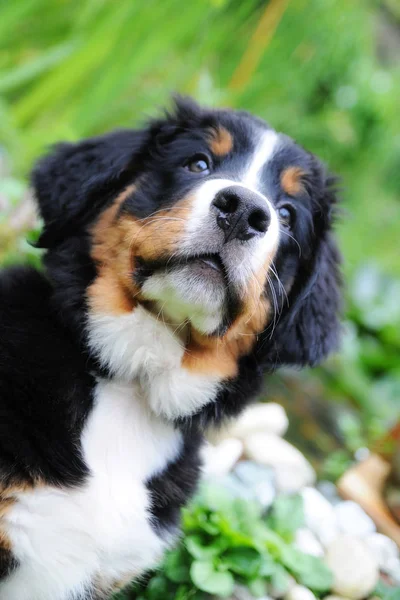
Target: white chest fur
139 347
64 539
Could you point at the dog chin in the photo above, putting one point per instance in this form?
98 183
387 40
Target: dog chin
194 292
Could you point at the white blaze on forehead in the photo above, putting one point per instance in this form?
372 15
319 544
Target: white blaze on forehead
263 153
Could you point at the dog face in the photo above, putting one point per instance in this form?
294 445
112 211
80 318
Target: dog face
207 219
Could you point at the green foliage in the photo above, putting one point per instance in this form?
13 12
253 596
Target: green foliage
229 541
385 592
287 515
365 376
72 69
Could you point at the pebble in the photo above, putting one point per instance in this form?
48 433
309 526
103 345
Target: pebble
352 519
354 568
392 568
235 487
319 516
241 592
269 418
258 478
383 548
335 597
219 460
299 592
307 542
292 470
329 491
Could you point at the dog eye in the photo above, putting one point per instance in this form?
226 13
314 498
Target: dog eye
198 164
285 215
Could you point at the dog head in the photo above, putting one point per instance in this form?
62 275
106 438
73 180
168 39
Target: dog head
208 220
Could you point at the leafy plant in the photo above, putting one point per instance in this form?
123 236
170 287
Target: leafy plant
229 541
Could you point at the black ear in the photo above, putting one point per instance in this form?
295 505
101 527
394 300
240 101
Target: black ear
75 180
309 330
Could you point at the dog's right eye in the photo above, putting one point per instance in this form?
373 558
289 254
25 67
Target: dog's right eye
198 164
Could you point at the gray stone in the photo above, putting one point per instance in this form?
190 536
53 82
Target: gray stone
383 548
352 519
319 515
329 491
260 479
236 487
269 418
307 542
299 592
354 568
292 470
219 460
242 593
392 568
335 597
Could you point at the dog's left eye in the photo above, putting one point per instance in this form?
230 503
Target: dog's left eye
285 215
198 164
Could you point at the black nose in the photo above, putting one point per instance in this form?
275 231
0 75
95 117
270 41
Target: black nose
241 213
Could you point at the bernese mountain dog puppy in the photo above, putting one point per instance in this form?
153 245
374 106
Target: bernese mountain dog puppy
183 261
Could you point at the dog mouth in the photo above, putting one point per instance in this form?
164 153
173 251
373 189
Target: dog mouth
194 288
210 265
212 260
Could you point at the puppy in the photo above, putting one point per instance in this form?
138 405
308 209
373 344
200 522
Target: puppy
183 261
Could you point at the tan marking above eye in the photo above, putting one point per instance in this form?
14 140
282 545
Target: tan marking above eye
220 141
292 180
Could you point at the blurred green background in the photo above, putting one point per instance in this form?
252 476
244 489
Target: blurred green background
326 72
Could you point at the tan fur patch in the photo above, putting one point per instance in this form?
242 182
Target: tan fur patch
104 588
5 505
220 141
220 356
7 501
122 583
292 180
118 240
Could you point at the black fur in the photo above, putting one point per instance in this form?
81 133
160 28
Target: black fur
45 387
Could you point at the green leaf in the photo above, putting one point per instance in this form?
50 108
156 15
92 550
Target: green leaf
216 498
386 592
308 570
157 588
267 565
279 581
243 561
209 580
175 568
258 587
287 515
182 593
197 548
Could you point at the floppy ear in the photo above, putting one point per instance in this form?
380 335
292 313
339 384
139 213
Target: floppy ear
75 180
309 328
